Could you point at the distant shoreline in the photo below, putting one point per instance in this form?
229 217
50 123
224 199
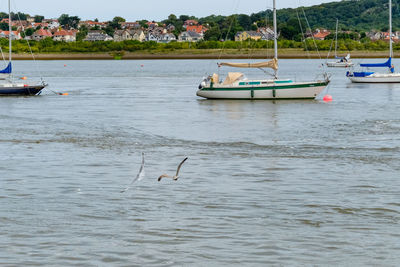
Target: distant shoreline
201 54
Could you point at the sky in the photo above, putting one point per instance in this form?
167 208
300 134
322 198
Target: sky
133 10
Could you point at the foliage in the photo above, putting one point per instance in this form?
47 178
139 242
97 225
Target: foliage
69 22
38 18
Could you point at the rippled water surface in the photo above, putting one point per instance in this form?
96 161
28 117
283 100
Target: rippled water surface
266 183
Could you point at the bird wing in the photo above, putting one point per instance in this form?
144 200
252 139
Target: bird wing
138 177
140 174
179 166
164 176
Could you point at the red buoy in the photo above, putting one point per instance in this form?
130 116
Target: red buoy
327 98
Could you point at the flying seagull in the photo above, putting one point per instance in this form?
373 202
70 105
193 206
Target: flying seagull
138 177
176 176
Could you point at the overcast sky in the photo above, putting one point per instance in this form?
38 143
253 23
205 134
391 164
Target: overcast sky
133 10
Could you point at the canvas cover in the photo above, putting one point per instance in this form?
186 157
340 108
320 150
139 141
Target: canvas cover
232 77
273 64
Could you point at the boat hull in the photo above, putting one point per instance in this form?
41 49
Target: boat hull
21 90
339 64
384 78
275 92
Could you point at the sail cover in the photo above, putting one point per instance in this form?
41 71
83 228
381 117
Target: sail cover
386 64
273 64
7 70
232 77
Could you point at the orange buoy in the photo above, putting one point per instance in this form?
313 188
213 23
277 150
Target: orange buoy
23 78
327 98
64 94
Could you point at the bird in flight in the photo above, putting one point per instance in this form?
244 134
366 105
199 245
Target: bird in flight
176 176
138 177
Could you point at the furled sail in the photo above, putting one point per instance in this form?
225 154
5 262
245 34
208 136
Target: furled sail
7 70
386 64
273 64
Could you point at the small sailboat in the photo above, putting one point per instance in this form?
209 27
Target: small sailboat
9 87
341 62
237 86
378 77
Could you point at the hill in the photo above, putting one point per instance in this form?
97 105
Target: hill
359 15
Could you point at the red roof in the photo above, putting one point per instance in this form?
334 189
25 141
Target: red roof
63 33
196 28
321 35
43 32
191 22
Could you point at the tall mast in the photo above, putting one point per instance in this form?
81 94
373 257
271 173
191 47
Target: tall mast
275 35
337 23
9 31
390 29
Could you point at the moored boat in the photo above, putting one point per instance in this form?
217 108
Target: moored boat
11 88
378 77
237 86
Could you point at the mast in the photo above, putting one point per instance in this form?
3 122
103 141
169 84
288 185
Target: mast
9 32
337 23
390 29
275 36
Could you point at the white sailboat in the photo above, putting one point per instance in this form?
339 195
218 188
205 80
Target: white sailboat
341 62
236 86
9 87
378 77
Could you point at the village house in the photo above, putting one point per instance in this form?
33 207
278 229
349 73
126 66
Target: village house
152 24
130 25
41 34
190 22
51 23
170 28
15 35
152 36
189 36
267 34
245 35
167 38
91 24
321 34
94 36
129 34
200 29
65 36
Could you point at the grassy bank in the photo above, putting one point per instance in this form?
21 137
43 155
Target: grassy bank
200 54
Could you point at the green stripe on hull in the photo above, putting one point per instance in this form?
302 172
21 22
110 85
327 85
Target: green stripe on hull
256 99
276 87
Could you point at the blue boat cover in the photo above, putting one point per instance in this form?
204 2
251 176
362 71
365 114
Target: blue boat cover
386 64
7 70
361 74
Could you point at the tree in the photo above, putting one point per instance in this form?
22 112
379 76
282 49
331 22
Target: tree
115 23
213 34
38 19
83 31
244 21
4 26
69 22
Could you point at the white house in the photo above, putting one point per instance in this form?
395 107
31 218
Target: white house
189 36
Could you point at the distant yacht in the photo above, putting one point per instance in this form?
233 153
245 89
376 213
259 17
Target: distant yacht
378 77
341 62
9 87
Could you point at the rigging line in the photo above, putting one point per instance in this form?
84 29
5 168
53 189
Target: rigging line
315 43
302 34
30 50
229 29
4 58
